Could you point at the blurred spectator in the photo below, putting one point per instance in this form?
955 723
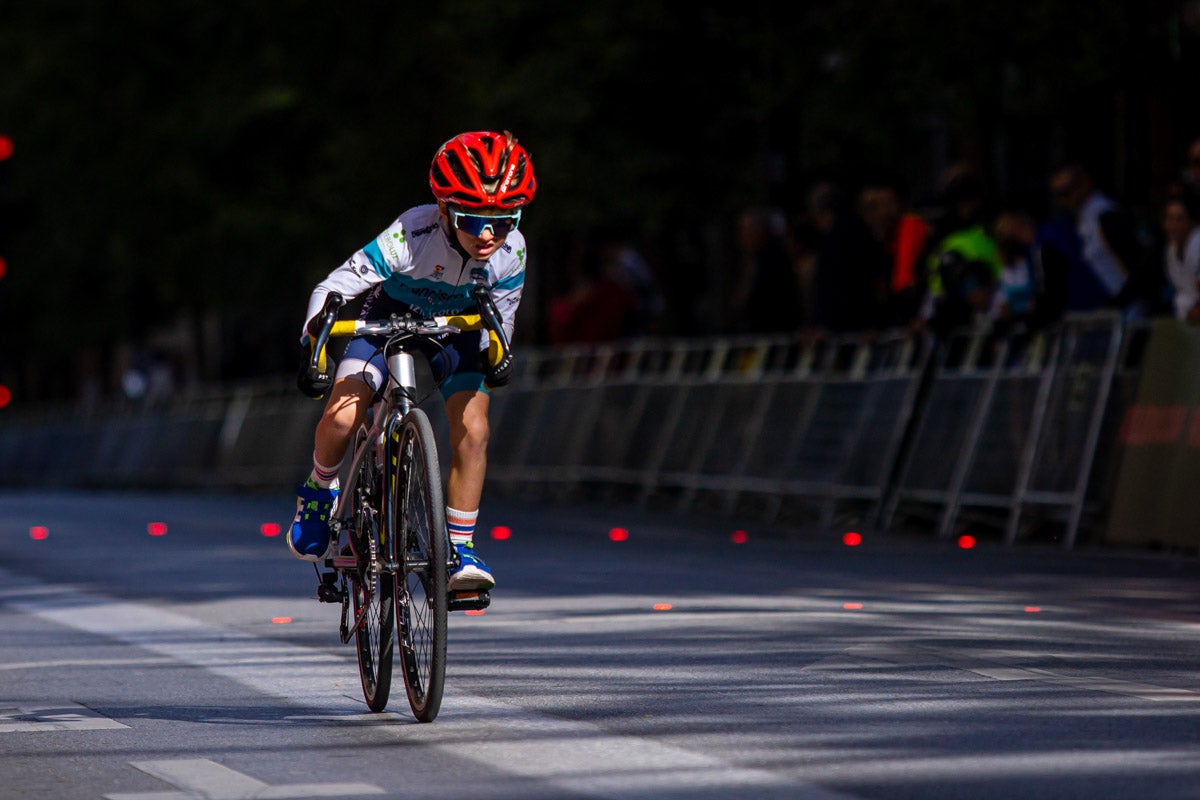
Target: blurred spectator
1181 256
1110 270
854 266
623 264
766 292
807 236
149 374
596 308
1015 236
803 246
1190 175
1059 255
822 205
614 294
964 266
904 235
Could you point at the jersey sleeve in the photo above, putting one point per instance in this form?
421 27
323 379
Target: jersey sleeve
376 262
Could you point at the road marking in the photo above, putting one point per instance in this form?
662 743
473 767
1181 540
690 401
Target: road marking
998 671
85 662
589 759
201 779
59 717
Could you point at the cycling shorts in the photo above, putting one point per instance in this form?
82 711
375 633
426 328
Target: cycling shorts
455 359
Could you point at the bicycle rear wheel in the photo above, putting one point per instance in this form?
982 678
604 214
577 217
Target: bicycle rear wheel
421 592
372 590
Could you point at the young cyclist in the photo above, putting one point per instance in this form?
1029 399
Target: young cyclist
427 262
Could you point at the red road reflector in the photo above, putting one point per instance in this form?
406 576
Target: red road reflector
618 534
852 606
39 532
1033 610
852 539
740 537
663 606
501 533
280 620
157 529
269 529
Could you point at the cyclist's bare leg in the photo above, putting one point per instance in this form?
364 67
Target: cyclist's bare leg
347 406
467 413
309 537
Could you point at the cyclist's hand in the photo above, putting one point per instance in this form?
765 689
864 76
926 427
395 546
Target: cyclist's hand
499 374
311 380
313 383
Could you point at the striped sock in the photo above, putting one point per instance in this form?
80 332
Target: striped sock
322 476
461 525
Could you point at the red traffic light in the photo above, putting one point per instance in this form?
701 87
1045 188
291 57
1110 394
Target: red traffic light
6 147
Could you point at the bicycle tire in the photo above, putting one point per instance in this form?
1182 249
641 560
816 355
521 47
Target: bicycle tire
372 589
421 579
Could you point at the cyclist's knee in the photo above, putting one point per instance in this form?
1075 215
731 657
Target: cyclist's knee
347 405
470 436
469 431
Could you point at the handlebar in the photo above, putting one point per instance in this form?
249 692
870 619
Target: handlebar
488 319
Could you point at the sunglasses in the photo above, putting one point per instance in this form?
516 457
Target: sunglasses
475 224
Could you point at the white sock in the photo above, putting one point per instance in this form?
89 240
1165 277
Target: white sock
322 475
461 525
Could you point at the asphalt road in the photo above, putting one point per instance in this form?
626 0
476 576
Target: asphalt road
677 663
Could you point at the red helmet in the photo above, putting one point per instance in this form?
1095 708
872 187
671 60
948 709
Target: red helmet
482 170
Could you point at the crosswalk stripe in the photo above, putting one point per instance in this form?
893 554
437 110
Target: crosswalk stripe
313 677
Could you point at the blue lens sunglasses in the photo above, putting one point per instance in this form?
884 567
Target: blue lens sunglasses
475 224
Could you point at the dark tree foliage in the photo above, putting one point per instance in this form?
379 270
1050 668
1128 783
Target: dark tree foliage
211 161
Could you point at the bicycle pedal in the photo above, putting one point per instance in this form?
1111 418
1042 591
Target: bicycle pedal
327 591
469 601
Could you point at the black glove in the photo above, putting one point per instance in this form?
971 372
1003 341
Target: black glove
498 375
311 380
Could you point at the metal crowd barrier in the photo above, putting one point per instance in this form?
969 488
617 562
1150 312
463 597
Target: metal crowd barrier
1013 424
253 437
789 431
766 425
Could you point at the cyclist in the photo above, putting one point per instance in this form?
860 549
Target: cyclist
427 262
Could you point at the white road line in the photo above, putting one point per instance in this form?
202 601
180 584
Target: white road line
999 671
201 778
576 756
59 717
84 662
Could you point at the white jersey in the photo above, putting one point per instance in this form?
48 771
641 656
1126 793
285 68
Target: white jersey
1183 269
1104 263
415 262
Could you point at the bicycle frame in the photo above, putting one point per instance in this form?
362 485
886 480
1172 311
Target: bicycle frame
384 418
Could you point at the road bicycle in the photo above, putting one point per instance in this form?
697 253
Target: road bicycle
392 556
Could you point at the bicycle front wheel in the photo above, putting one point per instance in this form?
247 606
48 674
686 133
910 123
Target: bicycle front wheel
372 590
421 592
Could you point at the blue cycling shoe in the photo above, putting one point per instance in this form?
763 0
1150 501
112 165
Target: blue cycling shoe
310 537
471 574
